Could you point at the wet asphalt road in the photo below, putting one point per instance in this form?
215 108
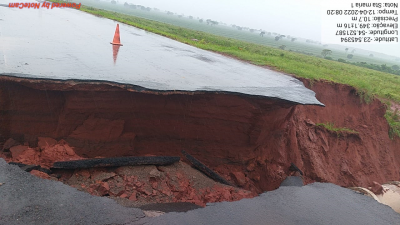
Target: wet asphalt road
69 44
315 204
26 199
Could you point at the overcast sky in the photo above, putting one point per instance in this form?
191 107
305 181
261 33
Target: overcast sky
300 18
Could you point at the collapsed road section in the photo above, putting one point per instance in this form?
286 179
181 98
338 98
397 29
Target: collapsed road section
250 141
152 97
65 95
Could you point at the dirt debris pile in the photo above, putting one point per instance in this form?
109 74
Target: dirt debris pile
151 184
140 184
47 152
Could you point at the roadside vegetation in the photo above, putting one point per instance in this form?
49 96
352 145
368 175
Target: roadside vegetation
247 34
384 68
393 119
369 83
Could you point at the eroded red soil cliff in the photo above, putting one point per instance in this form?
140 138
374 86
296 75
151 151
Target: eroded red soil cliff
250 141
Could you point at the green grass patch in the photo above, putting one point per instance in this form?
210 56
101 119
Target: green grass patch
338 130
393 119
369 83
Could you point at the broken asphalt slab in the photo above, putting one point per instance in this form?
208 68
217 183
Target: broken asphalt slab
26 199
314 204
67 44
117 162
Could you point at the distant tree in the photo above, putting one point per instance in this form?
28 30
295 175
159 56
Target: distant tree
346 49
277 38
191 17
371 55
282 47
384 67
126 4
293 39
326 52
353 51
239 28
262 34
341 60
269 33
200 20
395 67
288 37
349 56
324 45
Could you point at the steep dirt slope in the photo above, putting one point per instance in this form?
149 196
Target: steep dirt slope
249 140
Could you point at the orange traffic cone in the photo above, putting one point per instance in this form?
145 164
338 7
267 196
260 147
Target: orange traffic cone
116 40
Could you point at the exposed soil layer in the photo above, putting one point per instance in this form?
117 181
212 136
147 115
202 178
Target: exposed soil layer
250 141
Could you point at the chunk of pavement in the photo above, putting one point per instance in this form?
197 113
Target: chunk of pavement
27 199
292 181
29 168
204 169
44 170
116 162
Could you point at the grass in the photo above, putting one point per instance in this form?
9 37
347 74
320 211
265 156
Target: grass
369 83
299 45
338 130
393 119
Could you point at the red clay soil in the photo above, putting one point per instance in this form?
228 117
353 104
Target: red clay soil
141 184
248 140
151 184
45 154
